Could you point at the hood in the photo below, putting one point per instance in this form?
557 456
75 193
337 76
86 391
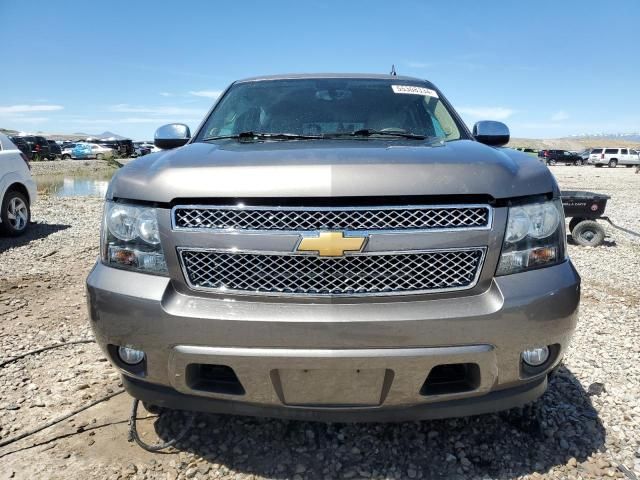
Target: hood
331 168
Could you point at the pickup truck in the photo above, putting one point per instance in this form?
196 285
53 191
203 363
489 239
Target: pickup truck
336 248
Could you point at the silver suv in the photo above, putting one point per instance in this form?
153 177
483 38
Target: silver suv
613 157
334 247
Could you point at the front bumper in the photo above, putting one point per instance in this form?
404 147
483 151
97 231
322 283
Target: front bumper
336 361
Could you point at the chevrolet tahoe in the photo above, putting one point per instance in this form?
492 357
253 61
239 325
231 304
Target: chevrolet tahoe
334 247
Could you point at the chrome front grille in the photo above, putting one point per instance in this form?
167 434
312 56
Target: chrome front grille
351 275
303 219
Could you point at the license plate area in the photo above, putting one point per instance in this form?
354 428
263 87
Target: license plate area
331 388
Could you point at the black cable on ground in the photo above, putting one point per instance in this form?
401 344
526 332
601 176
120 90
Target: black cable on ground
44 349
4 443
133 432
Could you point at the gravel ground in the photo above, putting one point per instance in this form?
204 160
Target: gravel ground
587 425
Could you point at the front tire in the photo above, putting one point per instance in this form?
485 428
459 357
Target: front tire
578 163
15 213
99 156
552 162
613 163
66 156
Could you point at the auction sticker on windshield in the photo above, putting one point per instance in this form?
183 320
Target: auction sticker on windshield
411 90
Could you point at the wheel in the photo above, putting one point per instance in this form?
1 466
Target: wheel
573 222
613 163
99 156
578 163
588 233
15 213
66 156
552 162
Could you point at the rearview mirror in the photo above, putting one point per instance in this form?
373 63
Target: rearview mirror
495 134
173 135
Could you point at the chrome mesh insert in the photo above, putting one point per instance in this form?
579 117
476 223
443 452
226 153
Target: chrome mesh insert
361 274
310 218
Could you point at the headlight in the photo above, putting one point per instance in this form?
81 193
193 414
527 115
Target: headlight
122 221
534 238
131 238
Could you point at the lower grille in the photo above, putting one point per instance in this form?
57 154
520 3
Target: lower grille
359 274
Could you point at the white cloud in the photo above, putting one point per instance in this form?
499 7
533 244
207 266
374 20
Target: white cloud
487 113
126 108
559 116
166 94
206 93
29 108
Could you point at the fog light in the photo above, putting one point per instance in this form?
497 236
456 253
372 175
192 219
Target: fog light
130 356
536 356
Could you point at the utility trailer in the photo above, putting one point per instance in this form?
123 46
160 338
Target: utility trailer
584 209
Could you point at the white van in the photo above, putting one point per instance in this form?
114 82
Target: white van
614 157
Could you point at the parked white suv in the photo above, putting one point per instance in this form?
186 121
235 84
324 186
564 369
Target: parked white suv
17 189
614 157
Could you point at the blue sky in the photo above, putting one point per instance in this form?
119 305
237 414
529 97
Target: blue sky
546 68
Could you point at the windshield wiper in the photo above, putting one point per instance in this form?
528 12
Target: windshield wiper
368 132
265 135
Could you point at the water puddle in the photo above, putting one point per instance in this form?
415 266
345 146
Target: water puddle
70 185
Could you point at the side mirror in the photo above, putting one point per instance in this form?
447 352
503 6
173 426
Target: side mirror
173 135
495 134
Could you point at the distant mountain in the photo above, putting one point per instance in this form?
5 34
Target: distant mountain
109 134
626 137
578 143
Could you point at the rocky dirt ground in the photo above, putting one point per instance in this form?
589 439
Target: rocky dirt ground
586 426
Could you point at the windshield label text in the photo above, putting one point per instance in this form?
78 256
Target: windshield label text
411 90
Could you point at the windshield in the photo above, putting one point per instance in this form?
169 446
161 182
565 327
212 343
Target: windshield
331 107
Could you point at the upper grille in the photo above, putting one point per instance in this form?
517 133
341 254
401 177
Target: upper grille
318 218
360 274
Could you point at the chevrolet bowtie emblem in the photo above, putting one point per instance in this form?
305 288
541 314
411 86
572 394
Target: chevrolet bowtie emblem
331 244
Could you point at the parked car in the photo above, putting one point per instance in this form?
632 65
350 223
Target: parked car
126 148
39 147
141 149
121 148
91 150
302 256
614 157
67 151
151 147
529 151
54 149
553 157
584 155
17 188
22 145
